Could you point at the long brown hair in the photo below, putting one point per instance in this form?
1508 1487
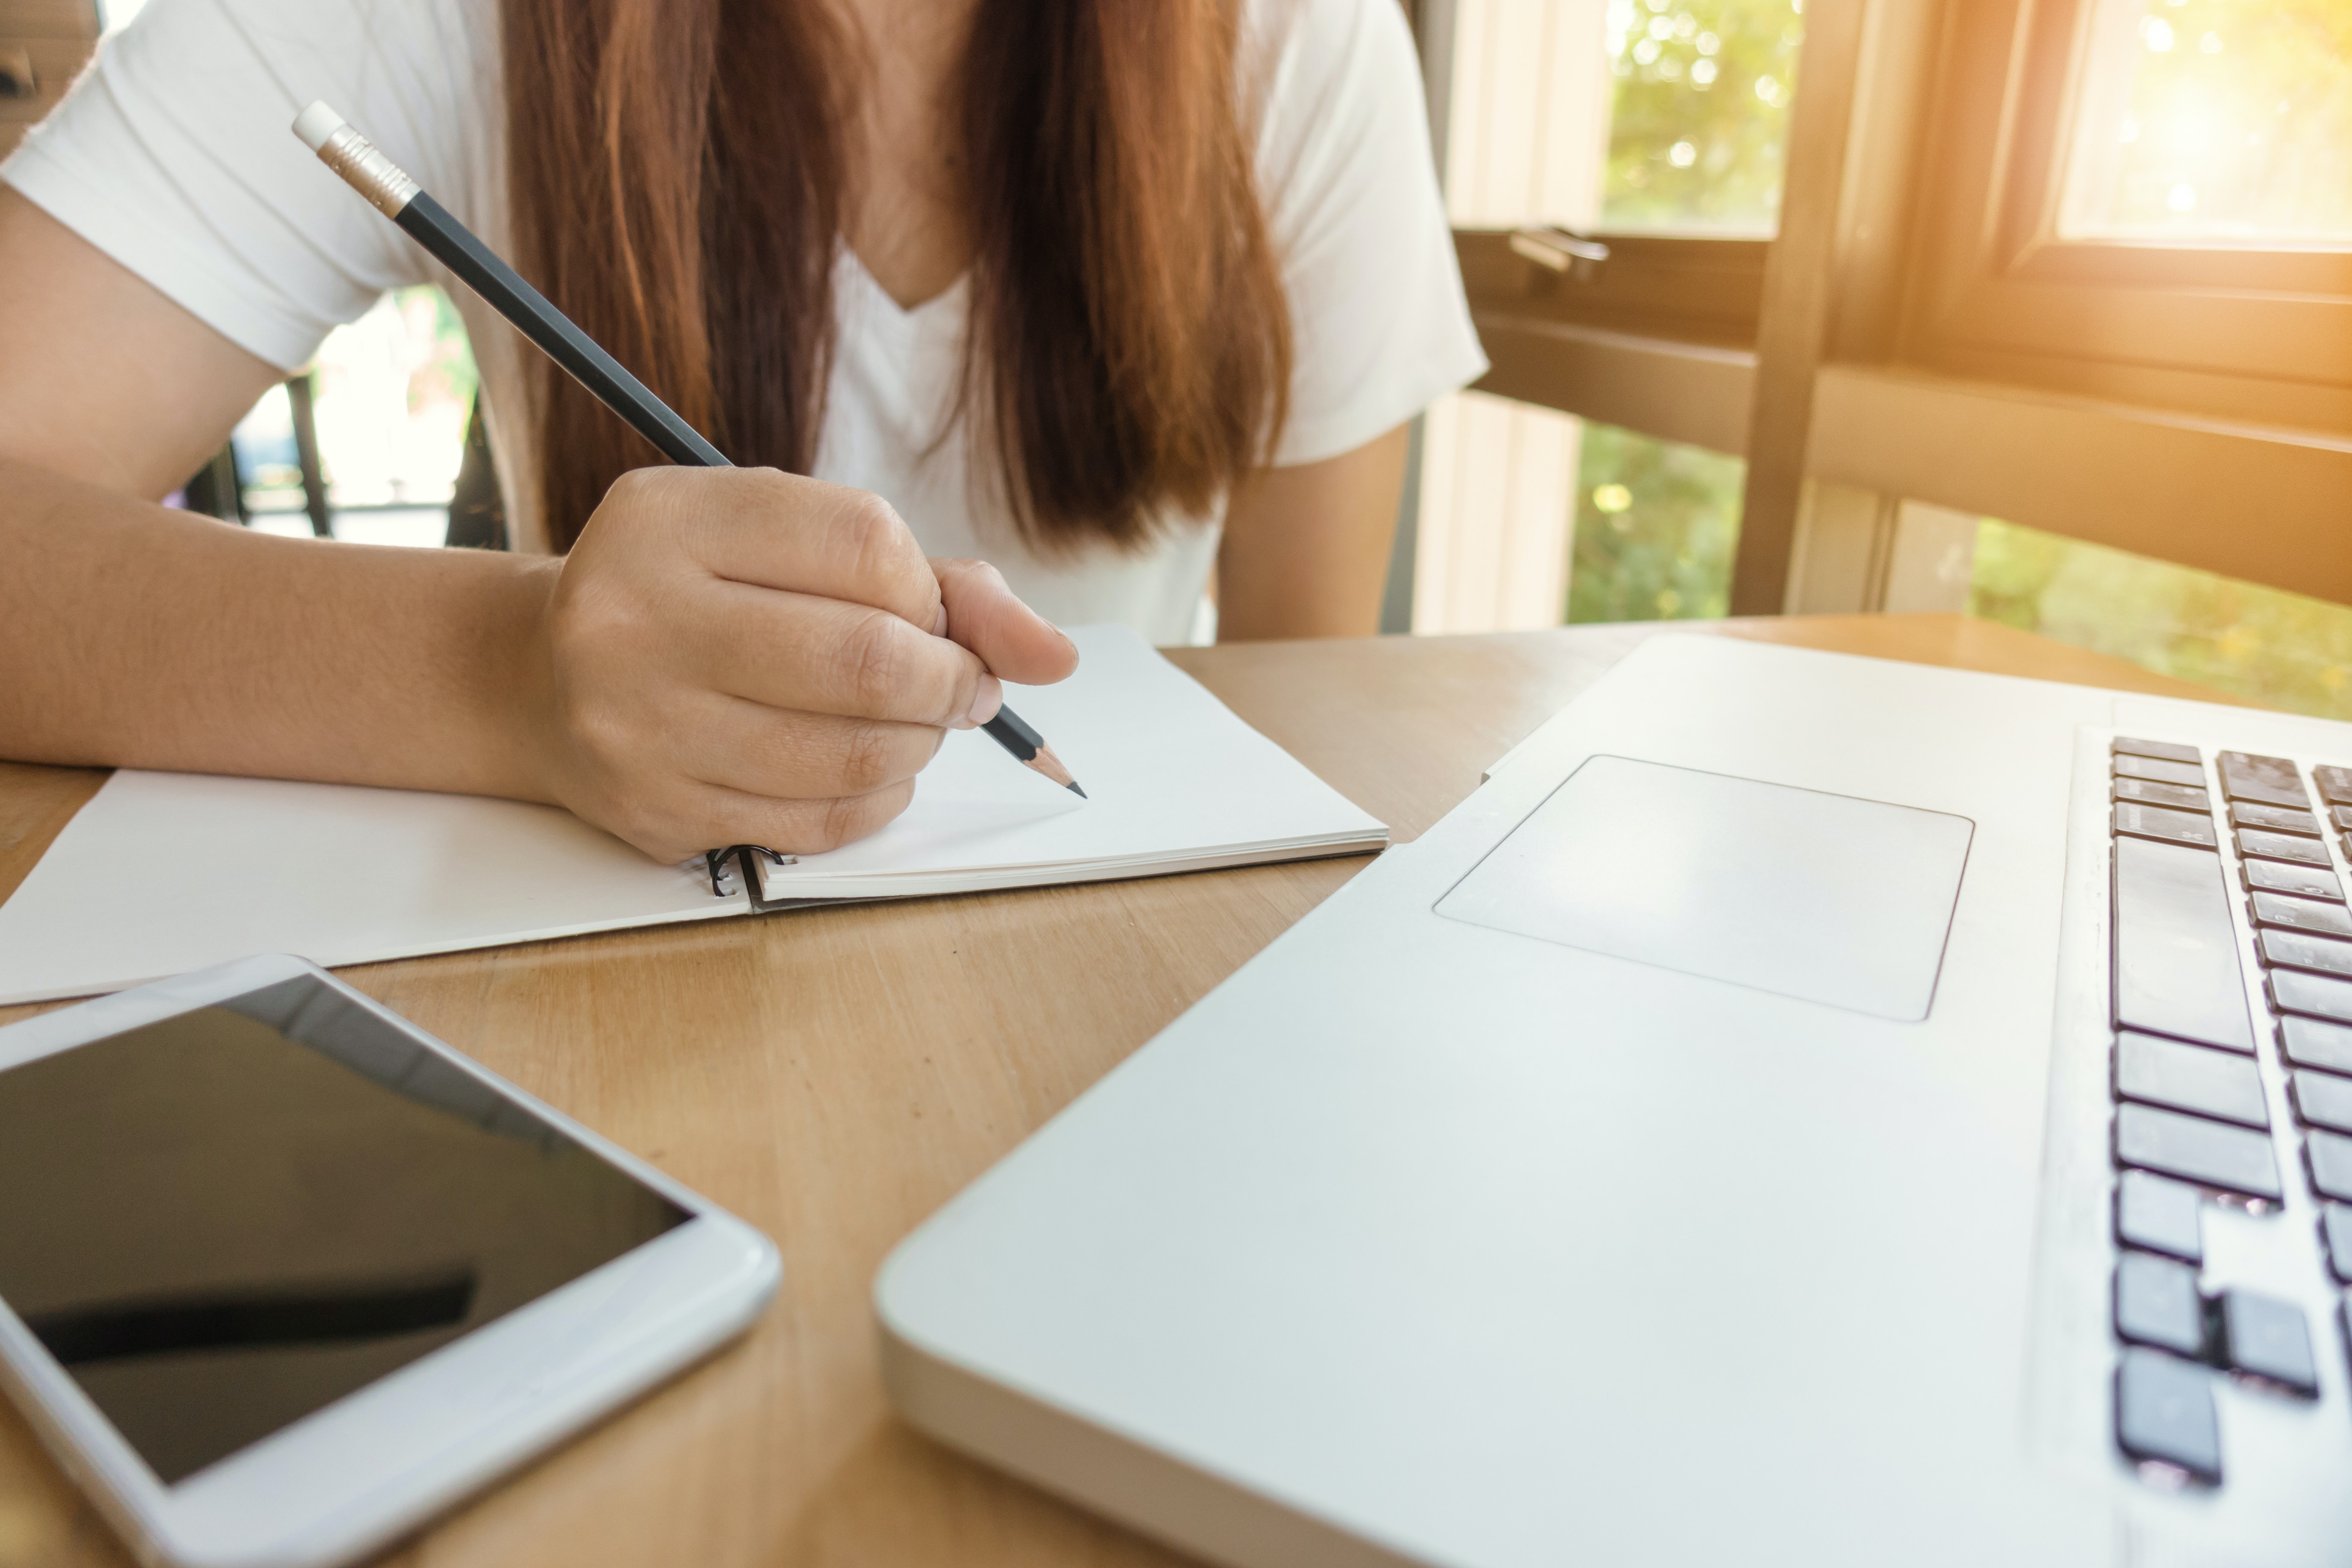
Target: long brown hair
680 169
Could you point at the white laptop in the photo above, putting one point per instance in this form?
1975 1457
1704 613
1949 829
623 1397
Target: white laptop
1801 1109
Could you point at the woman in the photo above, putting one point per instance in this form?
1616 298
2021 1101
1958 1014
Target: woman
1060 286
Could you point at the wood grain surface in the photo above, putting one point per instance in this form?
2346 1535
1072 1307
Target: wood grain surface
833 1076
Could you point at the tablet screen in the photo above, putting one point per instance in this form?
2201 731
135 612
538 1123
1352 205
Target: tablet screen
225 1220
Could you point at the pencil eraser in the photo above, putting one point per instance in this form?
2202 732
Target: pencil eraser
315 124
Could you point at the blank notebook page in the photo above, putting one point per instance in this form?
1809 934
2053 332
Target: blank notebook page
1170 776
164 873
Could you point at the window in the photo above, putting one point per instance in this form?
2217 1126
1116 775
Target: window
2082 265
2119 208
1655 524
2213 123
1660 124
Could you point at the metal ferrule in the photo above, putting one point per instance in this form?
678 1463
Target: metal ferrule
368 172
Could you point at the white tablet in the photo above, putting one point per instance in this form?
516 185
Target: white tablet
281 1274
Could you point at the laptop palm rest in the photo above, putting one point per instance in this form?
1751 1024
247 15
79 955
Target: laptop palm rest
1822 897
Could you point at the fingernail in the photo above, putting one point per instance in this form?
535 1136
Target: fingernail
985 701
939 623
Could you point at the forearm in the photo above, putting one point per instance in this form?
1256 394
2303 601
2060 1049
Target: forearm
1306 552
135 636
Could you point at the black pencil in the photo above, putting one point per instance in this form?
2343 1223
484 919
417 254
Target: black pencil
427 221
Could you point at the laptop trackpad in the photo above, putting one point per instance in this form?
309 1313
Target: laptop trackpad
1822 897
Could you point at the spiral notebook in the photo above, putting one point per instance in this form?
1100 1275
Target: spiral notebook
162 873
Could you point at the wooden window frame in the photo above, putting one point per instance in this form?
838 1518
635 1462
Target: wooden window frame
1660 338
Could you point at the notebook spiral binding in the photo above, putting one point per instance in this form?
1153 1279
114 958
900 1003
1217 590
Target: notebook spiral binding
734 863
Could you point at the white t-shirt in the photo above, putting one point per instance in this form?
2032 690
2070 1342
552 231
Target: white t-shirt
175 155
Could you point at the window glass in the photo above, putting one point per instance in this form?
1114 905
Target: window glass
2216 122
2271 647
1656 523
1699 114
1649 115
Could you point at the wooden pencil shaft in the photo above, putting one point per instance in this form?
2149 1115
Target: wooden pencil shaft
455 247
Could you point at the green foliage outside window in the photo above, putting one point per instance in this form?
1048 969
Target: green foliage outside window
1656 522
2271 647
1700 116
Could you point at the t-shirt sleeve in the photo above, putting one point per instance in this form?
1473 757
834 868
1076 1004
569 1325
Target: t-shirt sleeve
174 154
1379 325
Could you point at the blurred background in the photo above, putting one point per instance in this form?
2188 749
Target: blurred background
392 394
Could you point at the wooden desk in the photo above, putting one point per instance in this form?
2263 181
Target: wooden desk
835 1076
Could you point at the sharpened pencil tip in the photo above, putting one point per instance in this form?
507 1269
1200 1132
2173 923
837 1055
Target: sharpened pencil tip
1047 763
1076 791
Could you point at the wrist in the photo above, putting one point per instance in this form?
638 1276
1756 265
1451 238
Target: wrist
526 717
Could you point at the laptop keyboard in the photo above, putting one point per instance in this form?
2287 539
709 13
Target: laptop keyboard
2192 1120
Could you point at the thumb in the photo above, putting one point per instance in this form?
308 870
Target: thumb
1012 640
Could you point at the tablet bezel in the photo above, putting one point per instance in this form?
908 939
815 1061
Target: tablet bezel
360 1471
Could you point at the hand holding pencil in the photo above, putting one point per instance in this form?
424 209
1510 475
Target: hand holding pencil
735 655
743 656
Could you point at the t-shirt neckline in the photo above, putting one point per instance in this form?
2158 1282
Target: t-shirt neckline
949 299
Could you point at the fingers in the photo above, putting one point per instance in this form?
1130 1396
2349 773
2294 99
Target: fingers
826 655
1011 640
718 815
740 773
757 751
779 530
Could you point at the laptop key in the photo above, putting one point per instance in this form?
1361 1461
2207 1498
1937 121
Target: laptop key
2187 774
2335 1235
2324 1099
2303 881
2176 953
2340 814
2157 1304
2164 751
2190 1078
2301 950
2301 914
2279 847
2164 1414
2272 818
2329 1156
2309 1043
2267 1338
2234 1159
2320 995
2167 1216
2162 821
2148 792
2271 779
2336 784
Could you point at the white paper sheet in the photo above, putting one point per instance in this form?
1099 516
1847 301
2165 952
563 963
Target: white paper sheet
162 873
1170 775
